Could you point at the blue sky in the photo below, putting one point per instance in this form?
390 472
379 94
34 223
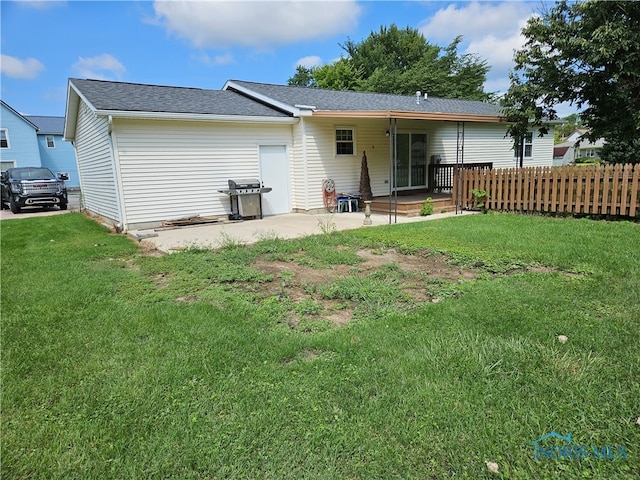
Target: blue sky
204 43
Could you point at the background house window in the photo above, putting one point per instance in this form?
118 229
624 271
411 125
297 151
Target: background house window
50 142
527 145
6 164
345 141
4 138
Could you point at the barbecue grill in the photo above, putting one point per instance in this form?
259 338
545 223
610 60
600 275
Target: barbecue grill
245 196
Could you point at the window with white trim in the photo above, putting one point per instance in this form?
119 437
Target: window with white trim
50 141
345 141
527 146
7 164
4 138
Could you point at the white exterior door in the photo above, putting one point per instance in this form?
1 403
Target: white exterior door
274 173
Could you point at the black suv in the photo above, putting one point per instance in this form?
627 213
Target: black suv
32 187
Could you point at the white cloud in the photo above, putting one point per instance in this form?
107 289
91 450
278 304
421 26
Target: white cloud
309 62
100 67
216 61
497 51
13 67
490 30
256 24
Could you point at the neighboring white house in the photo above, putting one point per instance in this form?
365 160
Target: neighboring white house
149 153
574 147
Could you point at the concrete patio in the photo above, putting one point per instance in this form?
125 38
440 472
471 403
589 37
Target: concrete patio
293 225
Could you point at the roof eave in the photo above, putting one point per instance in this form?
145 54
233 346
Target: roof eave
195 117
409 115
71 113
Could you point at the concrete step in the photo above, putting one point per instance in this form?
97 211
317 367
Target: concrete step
411 208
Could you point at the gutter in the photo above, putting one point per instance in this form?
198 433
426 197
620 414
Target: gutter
195 117
408 115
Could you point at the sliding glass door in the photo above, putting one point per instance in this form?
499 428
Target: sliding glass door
411 160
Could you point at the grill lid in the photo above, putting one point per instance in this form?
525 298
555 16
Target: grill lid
244 183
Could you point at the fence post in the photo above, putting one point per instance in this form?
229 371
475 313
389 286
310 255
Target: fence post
635 185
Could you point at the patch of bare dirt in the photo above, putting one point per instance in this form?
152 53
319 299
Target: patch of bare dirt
149 248
299 282
419 275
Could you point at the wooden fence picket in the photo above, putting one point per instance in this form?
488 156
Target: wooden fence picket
608 190
635 186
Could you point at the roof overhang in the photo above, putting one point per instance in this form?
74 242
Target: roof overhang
71 112
408 115
194 117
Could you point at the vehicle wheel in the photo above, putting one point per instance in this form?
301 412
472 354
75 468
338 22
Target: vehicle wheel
14 206
63 206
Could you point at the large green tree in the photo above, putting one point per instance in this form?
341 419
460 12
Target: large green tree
586 53
401 61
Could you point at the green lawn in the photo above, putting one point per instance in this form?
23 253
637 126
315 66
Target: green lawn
120 364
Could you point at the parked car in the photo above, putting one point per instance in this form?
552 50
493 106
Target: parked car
32 187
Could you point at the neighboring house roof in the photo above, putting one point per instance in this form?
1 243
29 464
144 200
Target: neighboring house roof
321 100
599 143
558 151
576 140
48 125
19 114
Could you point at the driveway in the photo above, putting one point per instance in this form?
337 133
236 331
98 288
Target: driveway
73 206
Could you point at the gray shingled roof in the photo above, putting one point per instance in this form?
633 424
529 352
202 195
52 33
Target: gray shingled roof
133 97
47 125
328 100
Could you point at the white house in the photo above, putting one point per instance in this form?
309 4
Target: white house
149 153
575 147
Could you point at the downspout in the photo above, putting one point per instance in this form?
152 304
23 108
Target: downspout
391 179
393 167
113 143
305 163
459 162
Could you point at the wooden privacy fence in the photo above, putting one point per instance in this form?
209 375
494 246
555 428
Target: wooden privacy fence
602 190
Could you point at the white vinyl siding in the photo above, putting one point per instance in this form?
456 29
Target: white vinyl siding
483 142
486 142
95 164
298 170
171 170
322 161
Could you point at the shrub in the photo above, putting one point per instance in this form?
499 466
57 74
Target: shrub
427 207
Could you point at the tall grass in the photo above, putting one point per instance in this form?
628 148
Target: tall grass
121 365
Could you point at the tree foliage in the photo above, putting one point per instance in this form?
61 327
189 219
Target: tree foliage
570 124
586 53
401 61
